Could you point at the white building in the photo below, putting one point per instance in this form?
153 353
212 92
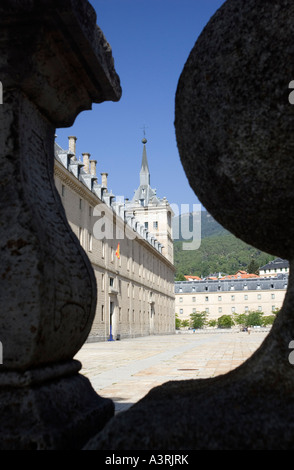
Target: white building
275 267
226 297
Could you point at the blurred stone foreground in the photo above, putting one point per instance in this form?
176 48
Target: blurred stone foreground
54 63
233 124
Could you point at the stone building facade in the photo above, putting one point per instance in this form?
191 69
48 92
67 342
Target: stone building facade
226 297
135 280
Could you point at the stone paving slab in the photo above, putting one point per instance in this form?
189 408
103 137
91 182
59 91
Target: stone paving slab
126 370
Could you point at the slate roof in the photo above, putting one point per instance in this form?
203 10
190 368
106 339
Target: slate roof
224 285
277 263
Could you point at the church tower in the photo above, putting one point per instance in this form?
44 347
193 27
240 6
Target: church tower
153 213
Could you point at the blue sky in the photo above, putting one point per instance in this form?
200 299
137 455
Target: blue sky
150 41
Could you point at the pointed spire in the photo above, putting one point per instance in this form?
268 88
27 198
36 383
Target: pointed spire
144 173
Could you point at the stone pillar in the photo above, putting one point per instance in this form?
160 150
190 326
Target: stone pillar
72 140
93 167
48 288
86 161
104 179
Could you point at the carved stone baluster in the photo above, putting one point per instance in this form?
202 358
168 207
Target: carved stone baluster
54 62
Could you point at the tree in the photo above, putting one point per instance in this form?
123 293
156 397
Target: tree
180 277
198 319
225 321
268 320
254 318
212 323
253 267
240 319
185 323
178 322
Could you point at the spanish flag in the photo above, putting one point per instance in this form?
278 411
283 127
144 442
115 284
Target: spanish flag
117 253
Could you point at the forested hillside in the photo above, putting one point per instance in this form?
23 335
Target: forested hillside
219 251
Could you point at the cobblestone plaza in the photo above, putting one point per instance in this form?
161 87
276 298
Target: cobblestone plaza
126 370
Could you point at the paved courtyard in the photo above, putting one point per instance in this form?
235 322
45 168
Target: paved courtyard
126 370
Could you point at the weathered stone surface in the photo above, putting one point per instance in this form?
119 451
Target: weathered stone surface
57 414
54 62
234 128
55 53
234 122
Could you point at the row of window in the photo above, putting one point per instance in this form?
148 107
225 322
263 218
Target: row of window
116 284
245 287
155 225
276 270
233 309
259 297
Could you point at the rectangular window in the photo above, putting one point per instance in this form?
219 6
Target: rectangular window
155 225
181 311
232 297
81 204
245 297
181 299
146 225
219 298
206 299
259 296
62 190
111 281
273 296
193 299
102 312
90 242
220 309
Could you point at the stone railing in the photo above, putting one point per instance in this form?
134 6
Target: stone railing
54 63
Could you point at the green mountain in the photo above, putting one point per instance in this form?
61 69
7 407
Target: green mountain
219 251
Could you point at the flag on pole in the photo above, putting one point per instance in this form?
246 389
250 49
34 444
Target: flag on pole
117 253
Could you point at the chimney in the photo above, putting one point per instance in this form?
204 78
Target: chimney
104 179
93 167
86 160
72 144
